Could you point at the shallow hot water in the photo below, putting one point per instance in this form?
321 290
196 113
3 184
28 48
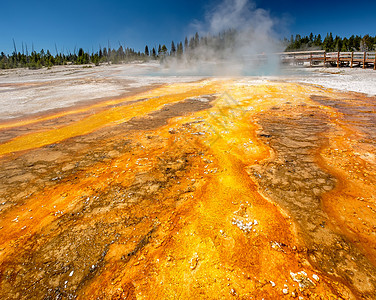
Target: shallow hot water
206 190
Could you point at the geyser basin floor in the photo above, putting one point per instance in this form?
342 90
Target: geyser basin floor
213 189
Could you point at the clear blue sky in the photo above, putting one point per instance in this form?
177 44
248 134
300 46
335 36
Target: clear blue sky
90 23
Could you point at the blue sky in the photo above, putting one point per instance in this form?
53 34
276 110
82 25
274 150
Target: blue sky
90 23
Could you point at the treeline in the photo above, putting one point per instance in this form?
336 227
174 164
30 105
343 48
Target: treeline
195 47
187 49
37 60
330 43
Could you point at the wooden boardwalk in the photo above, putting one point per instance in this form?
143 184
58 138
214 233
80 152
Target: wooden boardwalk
338 59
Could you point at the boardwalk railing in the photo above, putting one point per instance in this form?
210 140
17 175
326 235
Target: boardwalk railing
338 59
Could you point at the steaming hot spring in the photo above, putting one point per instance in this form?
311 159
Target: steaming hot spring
118 183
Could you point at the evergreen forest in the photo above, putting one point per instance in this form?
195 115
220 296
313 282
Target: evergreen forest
226 40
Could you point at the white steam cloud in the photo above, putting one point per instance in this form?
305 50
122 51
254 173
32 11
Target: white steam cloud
237 14
237 38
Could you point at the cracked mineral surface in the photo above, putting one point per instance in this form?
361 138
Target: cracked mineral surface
208 189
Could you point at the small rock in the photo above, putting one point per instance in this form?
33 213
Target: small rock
285 291
302 278
193 262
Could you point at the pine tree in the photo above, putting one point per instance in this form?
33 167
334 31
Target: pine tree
318 41
163 50
95 59
345 46
311 37
357 41
180 50
186 44
298 42
196 40
120 53
367 43
338 43
146 50
173 49
327 43
192 43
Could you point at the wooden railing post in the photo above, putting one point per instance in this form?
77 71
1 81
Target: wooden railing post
324 59
374 62
364 59
352 59
338 59
310 59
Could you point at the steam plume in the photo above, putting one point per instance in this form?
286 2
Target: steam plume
237 38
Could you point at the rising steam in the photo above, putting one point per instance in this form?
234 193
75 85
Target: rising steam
237 38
